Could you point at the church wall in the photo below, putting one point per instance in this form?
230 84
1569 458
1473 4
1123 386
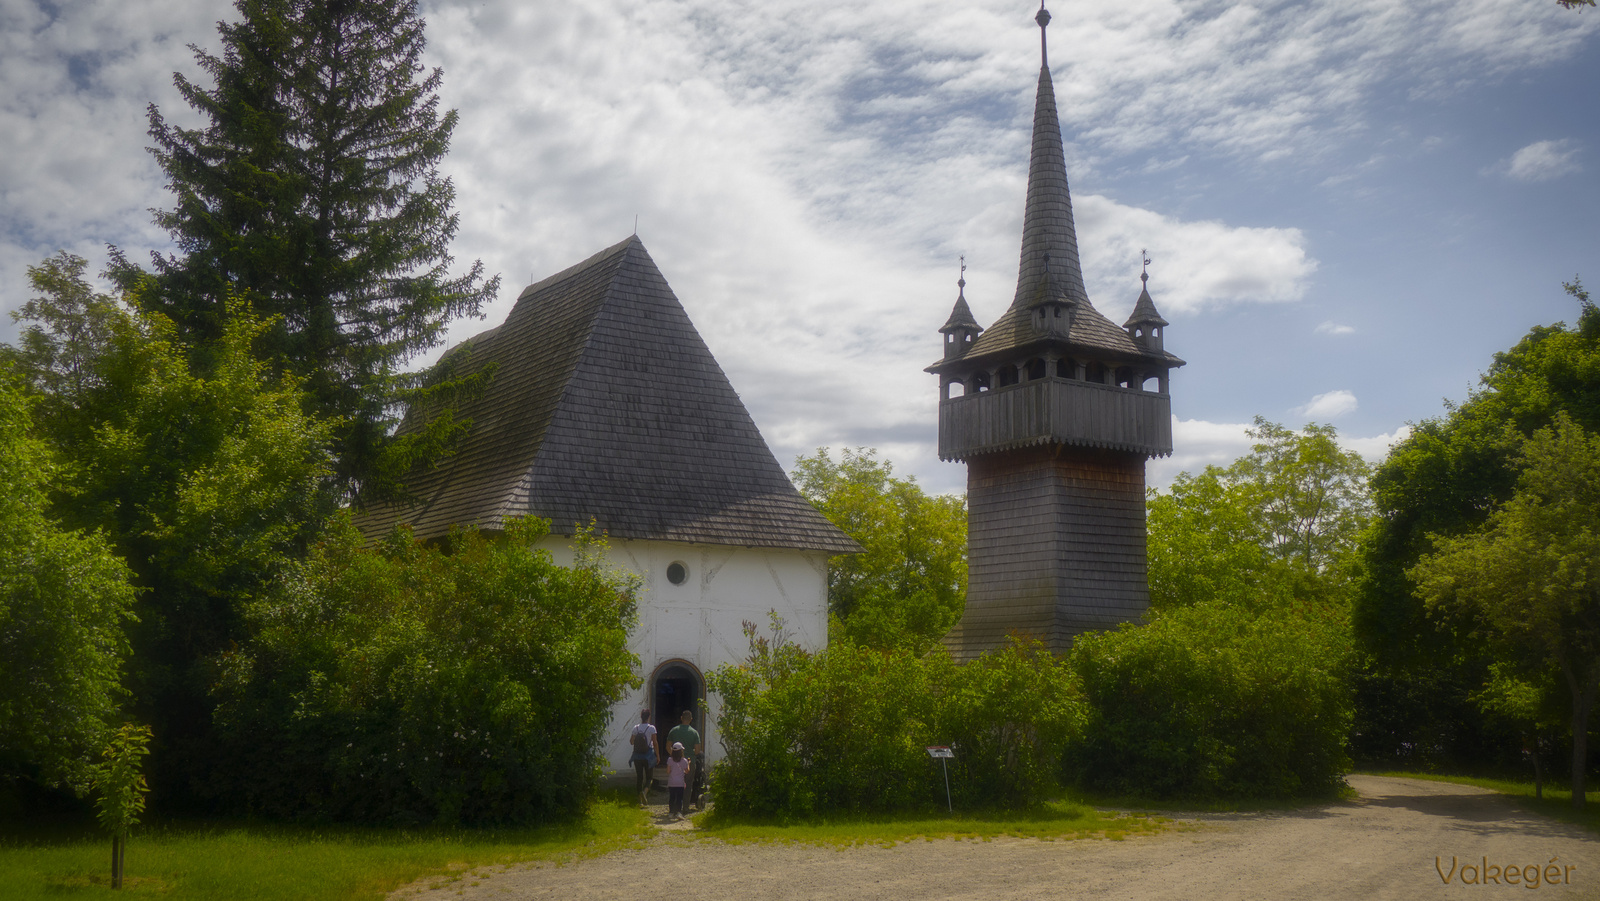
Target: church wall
702 620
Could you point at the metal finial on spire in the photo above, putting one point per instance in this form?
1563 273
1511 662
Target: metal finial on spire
961 282
1144 273
1043 18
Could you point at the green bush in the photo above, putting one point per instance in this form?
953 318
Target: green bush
1211 701
64 600
846 729
419 684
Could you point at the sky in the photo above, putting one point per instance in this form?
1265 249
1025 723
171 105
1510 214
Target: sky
1350 205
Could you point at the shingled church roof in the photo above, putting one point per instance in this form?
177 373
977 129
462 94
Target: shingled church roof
607 405
1049 270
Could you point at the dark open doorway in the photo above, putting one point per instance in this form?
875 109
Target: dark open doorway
675 687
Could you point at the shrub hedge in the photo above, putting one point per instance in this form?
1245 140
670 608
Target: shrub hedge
419 684
1212 701
846 729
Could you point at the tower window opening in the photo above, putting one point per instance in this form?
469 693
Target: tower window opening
1097 373
1008 376
980 382
1036 369
1066 368
955 388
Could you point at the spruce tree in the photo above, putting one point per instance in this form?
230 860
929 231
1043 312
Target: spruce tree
314 186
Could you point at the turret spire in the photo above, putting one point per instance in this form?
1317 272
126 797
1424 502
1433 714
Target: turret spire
961 329
1145 322
1047 227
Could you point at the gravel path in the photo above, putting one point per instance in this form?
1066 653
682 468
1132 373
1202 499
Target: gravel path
1382 846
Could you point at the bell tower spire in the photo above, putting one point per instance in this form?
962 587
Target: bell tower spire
1052 410
1047 229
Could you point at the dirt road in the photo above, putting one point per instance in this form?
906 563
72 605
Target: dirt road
1402 839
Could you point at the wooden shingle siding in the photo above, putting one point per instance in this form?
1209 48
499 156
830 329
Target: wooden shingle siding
607 407
1056 546
1055 410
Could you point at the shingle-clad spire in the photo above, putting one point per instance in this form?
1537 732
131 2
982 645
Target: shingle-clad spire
961 315
1047 228
1144 309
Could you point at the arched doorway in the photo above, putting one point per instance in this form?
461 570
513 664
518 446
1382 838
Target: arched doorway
676 686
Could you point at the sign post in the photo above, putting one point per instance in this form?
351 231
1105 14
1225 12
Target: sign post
943 754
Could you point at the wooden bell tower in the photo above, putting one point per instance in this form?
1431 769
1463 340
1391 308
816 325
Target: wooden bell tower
1054 409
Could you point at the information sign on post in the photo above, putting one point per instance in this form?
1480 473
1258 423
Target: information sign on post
943 753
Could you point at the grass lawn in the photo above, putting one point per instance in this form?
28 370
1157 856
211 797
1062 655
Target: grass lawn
1557 800
223 861
1056 820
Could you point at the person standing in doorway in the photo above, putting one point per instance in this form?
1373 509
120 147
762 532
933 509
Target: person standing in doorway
678 767
686 734
646 751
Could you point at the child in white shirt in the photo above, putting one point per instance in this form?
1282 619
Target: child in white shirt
678 766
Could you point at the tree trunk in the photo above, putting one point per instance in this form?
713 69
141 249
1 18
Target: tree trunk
1538 772
116 862
1582 702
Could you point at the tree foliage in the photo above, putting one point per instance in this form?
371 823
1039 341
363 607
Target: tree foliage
1445 480
846 729
909 586
1213 700
64 600
119 785
120 789
1530 579
314 186
205 479
414 683
1278 524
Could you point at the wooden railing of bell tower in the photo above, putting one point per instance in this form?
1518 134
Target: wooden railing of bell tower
1056 411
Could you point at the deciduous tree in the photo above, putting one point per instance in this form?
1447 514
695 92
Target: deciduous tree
1278 524
1445 479
64 601
206 478
910 585
1530 579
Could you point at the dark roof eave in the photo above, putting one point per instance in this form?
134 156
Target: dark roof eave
1021 350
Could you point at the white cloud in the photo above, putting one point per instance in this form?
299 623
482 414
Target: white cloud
1333 328
1377 447
805 173
1542 161
1197 444
1197 264
1330 405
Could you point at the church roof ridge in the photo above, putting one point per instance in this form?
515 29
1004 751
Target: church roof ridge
606 405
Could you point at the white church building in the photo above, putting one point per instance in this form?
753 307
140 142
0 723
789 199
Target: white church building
606 406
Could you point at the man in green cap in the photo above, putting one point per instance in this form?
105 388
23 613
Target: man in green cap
685 732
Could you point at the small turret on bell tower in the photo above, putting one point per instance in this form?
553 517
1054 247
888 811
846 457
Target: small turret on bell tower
961 329
1054 423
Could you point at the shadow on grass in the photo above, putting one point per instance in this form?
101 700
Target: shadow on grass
1310 805
217 859
1051 821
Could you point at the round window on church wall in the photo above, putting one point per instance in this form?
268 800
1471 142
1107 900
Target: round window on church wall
677 573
